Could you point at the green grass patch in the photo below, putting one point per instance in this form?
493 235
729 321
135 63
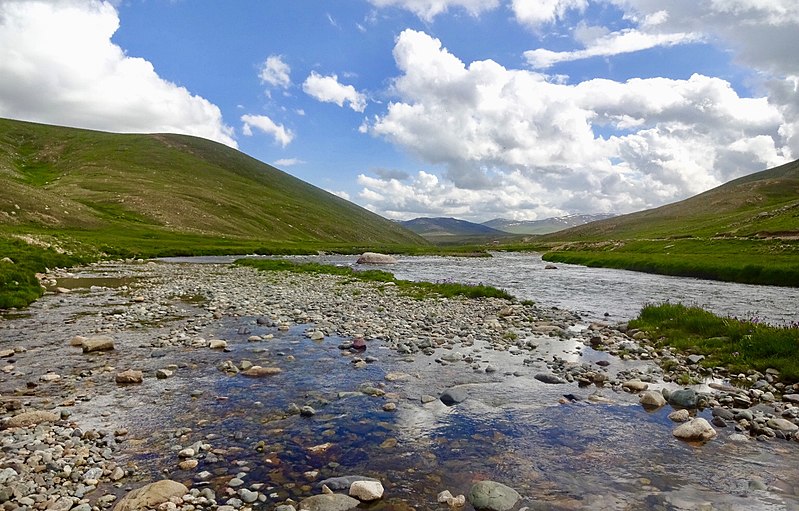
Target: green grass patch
18 283
738 345
420 290
746 261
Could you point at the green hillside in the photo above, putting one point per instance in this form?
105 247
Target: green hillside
746 230
764 204
94 194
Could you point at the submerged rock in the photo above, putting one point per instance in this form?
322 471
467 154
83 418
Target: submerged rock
453 396
492 496
328 502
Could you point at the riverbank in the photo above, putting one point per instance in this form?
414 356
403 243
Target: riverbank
527 386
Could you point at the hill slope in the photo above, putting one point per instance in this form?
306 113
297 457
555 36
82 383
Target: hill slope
66 179
763 204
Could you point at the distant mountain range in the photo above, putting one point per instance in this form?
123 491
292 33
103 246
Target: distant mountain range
441 228
545 226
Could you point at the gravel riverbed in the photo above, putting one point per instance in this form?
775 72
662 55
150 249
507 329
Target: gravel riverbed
248 390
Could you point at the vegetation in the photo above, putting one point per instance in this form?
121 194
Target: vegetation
416 289
744 231
738 345
98 195
772 262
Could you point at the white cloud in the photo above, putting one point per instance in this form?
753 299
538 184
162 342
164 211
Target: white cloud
282 135
288 162
59 66
429 9
328 89
508 139
616 43
276 72
535 13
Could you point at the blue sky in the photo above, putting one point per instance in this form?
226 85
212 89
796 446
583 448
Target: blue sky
522 109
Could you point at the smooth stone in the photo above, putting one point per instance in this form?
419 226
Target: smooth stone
782 425
259 372
635 386
343 483
130 376
652 399
366 491
453 396
680 415
163 374
376 258
697 429
549 379
151 495
685 398
329 502
217 344
98 343
492 496
248 496
31 418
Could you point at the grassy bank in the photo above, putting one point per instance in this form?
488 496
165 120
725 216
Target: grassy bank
416 289
738 345
769 262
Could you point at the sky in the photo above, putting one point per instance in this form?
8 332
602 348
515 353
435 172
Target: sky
475 109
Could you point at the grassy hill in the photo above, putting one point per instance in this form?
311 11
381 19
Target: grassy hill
746 230
91 193
451 231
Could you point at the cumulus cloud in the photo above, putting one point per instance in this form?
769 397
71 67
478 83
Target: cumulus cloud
275 72
328 89
282 135
511 139
288 162
616 43
429 9
538 12
59 66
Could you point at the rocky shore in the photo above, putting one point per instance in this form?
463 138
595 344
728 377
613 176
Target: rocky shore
85 374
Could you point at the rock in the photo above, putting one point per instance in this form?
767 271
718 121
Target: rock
550 267
259 372
453 396
366 491
316 335
782 425
695 359
358 344
151 495
343 483
328 502
248 496
492 496
685 398
550 379
791 398
389 407
217 344
652 399
681 415
695 430
77 341
188 464
376 258
130 376
635 386
98 343
26 419
163 374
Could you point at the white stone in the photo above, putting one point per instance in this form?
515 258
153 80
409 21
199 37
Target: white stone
366 491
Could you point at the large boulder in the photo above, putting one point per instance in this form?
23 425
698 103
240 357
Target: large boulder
151 495
685 398
375 258
695 430
492 496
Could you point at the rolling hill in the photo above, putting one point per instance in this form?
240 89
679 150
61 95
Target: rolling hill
437 227
63 180
763 204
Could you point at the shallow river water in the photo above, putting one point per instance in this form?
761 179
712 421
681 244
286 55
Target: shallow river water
594 449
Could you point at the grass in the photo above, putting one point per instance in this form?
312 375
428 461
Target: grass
18 283
769 262
419 290
738 345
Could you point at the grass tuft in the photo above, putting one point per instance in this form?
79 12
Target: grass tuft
738 345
